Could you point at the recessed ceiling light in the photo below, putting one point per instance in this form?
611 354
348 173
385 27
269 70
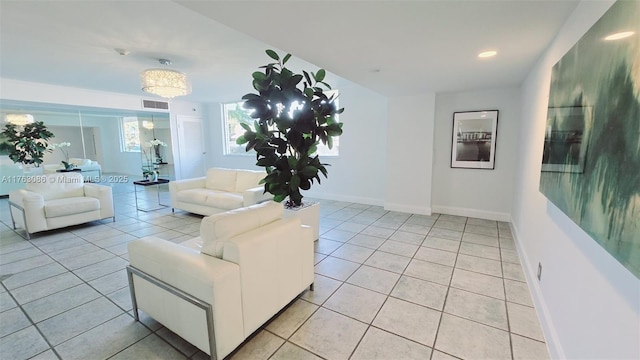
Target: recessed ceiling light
487 54
620 35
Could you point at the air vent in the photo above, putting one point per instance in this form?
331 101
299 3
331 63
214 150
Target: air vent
155 105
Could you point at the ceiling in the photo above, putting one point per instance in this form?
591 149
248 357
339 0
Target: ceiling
392 47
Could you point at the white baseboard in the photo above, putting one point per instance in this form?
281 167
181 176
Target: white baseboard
546 322
474 213
345 198
421 210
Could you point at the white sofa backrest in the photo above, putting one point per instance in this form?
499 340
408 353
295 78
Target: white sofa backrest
221 179
247 179
57 186
217 228
233 180
80 161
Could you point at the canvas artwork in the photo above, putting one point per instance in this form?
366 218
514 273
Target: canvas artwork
591 157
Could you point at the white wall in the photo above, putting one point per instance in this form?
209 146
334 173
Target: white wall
358 174
589 304
410 127
486 194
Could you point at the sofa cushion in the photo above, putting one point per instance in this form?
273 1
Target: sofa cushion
217 228
70 206
221 179
193 196
57 186
247 179
214 198
224 200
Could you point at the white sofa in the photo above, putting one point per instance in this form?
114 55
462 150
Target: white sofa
220 190
53 201
217 289
90 169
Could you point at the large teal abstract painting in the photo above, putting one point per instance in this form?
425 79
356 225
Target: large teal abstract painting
591 158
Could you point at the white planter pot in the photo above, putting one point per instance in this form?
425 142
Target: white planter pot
309 215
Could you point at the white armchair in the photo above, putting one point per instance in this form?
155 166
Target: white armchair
217 289
54 201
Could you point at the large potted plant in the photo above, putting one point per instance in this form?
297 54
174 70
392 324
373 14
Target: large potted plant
29 142
292 115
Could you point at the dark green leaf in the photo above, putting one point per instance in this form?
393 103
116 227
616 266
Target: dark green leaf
286 58
319 76
294 184
306 76
293 162
272 54
260 76
309 171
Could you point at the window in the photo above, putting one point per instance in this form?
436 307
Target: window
129 134
233 114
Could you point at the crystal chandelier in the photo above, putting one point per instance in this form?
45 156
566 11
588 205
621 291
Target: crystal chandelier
19 119
166 83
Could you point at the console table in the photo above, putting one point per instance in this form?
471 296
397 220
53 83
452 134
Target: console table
146 183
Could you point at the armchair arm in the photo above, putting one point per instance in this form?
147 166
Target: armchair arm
178 185
32 204
212 280
255 195
104 195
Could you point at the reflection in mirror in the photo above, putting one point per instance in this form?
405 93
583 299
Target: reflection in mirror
103 140
155 142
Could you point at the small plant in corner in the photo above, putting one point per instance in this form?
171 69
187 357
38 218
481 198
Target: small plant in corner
292 114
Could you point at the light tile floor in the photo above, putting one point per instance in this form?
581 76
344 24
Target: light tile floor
388 285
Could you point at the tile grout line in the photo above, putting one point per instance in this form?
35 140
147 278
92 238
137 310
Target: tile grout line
31 324
446 296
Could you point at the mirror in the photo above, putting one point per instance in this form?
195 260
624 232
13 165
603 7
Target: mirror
116 139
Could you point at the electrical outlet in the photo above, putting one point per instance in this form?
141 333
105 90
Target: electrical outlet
539 271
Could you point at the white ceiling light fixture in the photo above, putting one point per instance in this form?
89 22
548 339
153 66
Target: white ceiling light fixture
487 54
166 83
148 125
19 119
620 35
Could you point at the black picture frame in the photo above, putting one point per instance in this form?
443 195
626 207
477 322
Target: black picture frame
473 141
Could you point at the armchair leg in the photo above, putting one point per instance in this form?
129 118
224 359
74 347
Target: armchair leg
24 218
132 292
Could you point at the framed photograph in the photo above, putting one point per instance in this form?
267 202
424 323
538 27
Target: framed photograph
566 138
473 145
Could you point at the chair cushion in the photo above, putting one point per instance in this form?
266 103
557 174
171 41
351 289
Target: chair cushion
221 179
57 186
218 228
247 179
70 206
